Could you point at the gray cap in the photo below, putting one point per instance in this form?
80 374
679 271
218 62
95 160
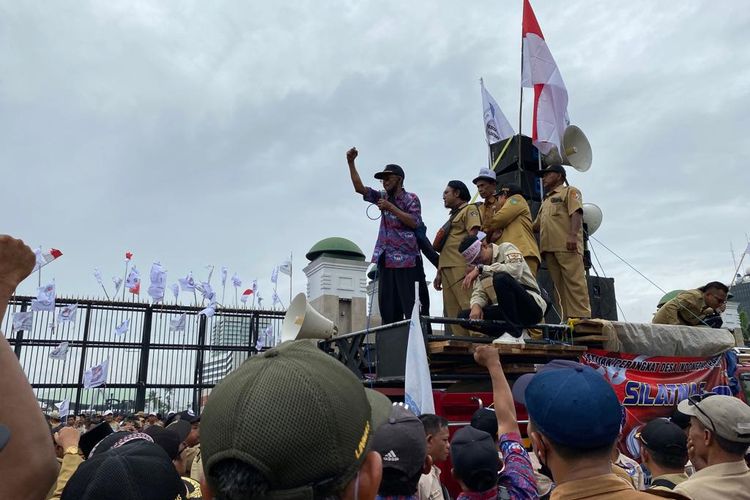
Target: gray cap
728 416
486 174
401 441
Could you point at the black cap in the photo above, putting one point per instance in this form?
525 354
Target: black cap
182 428
662 436
401 441
474 457
138 470
391 169
168 439
559 169
93 436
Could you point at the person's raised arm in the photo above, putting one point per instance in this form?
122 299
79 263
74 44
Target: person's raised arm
359 187
27 463
505 410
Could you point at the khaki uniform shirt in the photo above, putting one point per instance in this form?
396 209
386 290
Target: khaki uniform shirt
553 219
608 486
688 308
487 209
632 469
514 220
508 259
429 485
466 219
728 480
68 465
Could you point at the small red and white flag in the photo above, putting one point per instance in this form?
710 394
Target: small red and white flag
540 71
128 256
245 295
44 258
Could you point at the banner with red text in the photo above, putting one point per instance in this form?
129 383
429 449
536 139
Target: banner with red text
651 386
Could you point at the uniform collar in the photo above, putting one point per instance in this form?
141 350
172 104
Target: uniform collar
726 468
556 190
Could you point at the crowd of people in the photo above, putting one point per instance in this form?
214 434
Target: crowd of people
294 422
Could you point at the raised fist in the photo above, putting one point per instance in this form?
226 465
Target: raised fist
16 262
351 155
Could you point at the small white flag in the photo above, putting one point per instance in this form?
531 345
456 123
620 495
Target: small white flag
224 272
60 352
276 299
175 291
208 311
44 258
96 375
123 328
286 267
260 300
63 408
45 299
206 291
187 283
747 250
23 321
98 276
177 323
118 282
417 382
496 126
268 335
275 275
67 313
133 280
158 278
236 281
255 286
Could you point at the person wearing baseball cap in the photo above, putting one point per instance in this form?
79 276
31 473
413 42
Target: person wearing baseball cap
560 226
486 183
291 423
402 445
719 436
574 422
400 237
664 453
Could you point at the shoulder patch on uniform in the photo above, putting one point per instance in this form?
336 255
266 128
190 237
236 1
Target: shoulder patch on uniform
576 195
513 201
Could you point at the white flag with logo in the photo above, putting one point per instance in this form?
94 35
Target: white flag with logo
236 281
224 272
276 299
45 299
158 278
118 282
123 328
133 279
206 291
208 311
96 375
187 283
60 352
275 275
23 321
255 286
417 382
175 291
177 323
98 276
67 313
63 408
496 127
286 267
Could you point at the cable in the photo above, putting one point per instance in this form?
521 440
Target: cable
604 273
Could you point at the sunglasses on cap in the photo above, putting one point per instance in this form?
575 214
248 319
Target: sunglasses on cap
695 401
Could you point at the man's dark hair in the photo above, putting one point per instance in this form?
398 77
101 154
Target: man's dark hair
480 480
466 243
714 285
668 461
396 483
570 453
463 191
433 423
233 479
731 447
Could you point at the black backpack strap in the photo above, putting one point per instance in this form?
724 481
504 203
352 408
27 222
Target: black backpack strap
664 483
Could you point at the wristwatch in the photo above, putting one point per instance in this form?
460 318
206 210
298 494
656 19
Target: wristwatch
71 450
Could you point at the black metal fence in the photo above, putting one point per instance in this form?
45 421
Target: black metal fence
150 367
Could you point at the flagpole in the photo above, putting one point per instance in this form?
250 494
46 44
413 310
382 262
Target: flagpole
291 274
520 107
125 279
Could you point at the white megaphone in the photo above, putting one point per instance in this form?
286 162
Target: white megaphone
576 150
592 217
303 322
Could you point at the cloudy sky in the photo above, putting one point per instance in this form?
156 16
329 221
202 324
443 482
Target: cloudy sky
199 133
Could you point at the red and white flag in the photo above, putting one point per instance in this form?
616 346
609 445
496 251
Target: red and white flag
245 295
44 258
550 95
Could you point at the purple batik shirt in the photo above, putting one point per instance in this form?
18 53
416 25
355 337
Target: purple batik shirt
396 241
517 476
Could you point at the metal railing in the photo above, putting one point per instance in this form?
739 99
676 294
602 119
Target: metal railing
150 367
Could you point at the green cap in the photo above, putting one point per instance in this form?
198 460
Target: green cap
294 413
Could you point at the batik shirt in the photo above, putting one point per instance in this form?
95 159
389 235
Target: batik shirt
396 241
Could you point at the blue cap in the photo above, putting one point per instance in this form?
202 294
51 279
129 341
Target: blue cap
575 407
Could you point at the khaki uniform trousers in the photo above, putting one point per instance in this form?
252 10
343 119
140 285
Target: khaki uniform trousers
569 277
455 298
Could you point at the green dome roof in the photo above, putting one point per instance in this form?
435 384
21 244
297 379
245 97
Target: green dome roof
341 248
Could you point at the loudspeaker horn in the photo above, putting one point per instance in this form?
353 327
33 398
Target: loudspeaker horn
592 217
576 150
302 321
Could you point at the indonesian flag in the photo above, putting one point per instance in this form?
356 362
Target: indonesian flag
247 293
128 256
550 95
44 258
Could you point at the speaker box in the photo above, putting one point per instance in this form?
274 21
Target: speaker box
601 297
510 169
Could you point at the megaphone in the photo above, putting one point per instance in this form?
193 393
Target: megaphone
301 321
576 150
592 217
